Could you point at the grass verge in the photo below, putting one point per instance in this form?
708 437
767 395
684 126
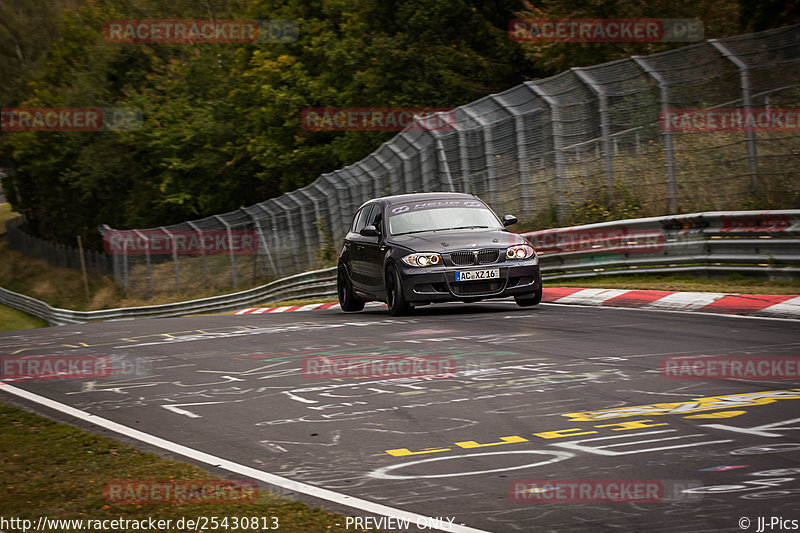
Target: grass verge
6 214
63 287
11 319
55 470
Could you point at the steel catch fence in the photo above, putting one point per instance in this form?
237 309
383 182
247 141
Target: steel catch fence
584 144
56 254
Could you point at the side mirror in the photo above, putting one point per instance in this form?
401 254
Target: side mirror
509 219
370 231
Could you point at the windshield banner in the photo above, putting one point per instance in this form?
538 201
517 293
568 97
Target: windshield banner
433 204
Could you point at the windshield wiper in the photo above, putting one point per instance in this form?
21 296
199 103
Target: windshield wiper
439 229
415 231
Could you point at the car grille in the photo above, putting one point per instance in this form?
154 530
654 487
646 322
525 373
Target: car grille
471 288
462 258
488 256
481 257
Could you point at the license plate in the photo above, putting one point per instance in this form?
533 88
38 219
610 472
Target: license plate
473 275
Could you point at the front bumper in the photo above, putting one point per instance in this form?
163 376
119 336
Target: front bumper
438 284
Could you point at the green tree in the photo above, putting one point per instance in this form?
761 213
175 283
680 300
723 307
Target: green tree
719 17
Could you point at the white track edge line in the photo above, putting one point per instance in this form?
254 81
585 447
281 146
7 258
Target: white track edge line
218 462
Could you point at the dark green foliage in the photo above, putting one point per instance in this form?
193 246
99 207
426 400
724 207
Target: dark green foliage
221 122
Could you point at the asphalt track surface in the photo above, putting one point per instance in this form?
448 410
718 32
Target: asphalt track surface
521 405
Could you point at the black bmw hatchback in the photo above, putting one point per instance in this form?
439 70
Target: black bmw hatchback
417 249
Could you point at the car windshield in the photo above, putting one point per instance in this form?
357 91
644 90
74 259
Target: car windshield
441 215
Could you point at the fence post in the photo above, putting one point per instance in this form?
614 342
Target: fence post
444 165
171 238
292 233
202 252
522 159
441 158
304 228
605 125
424 173
749 135
147 259
125 264
359 185
344 202
278 270
558 147
669 148
317 213
83 270
488 152
370 180
389 170
326 220
404 171
230 249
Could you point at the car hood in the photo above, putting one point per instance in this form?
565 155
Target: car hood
443 242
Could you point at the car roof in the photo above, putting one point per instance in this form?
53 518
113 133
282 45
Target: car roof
418 196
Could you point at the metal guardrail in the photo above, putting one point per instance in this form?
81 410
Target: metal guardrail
309 285
752 242
765 243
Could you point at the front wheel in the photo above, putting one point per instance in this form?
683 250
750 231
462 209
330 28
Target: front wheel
394 293
348 301
529 300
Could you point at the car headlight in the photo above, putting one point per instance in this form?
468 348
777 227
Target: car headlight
422 260
521 251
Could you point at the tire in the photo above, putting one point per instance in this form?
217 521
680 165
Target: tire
348 301
394 293
529 301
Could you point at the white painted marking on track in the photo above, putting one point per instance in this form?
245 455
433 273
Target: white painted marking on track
176 408
591 296
789 307
197 455
685 301
383 473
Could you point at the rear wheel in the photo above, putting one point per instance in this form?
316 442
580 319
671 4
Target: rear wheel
347 300
529 299
394 293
